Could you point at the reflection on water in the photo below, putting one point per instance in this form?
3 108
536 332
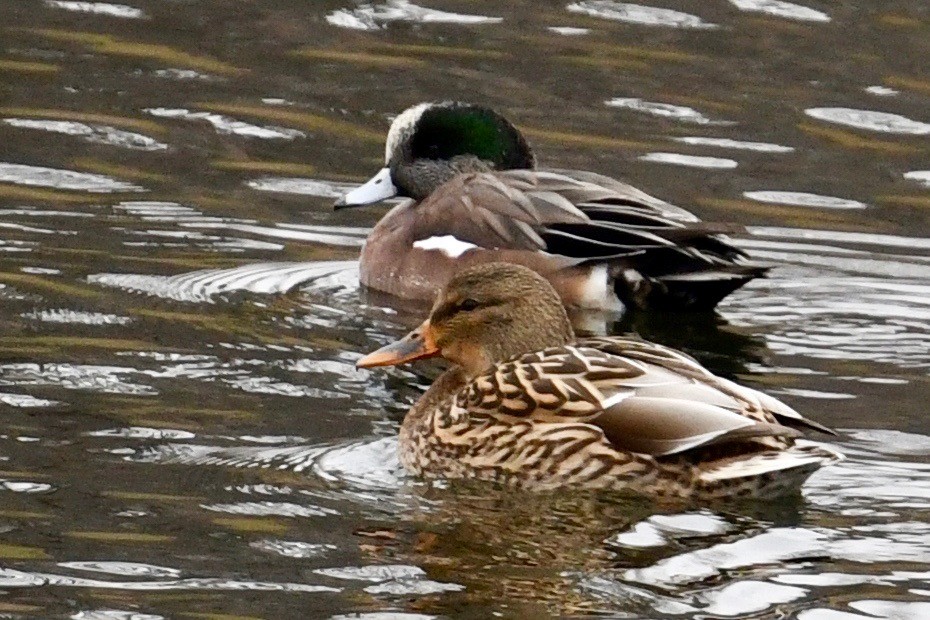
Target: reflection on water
184 432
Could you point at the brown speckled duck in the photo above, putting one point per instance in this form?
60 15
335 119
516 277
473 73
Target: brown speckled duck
476 196
526 404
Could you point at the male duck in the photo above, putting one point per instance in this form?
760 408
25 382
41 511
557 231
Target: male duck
476 197
527 405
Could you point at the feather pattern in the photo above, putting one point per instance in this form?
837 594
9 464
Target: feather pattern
667 257
612 412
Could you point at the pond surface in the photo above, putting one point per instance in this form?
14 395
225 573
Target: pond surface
182 429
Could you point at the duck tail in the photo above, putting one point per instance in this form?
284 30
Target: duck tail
770 472
698 290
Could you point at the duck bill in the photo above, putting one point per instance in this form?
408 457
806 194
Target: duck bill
377 188
418 344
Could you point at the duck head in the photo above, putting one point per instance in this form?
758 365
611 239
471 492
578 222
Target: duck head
430 143
484 315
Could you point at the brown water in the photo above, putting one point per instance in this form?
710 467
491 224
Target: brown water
182 429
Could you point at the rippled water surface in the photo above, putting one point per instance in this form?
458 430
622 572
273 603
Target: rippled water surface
183 432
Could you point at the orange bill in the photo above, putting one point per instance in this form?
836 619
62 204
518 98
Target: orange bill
418 344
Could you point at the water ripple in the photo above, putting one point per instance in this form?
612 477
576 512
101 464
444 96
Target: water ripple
29 488
97 8
39 176
781 9
124 569
568 31
301 186
804 199
99 134
373 17
329 235
693 161
25 400
373 572
113 614
292 548
881 91
226 125
10 578
921 176
727 143
639 14
665 110
884 122
204 285
105 379
271 509
75 316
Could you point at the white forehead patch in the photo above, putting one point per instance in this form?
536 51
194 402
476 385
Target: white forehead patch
447 244
402 127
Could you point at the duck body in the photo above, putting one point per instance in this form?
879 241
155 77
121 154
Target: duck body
602 243
616 413
609 413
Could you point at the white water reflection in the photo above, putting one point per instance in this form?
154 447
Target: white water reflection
373 572
25 486
25 400
779 8
639 14
10 578
304 187
804 199
881 91
884 122
921 176
204 285
39 176
271 509
375 16
98 8
664 110
125 569
568 31
292 548
692 161
99 134
95 378
142 432
77 317
330 235
226 125
113 614
727 143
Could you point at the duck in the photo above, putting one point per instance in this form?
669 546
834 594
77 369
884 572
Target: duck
525 404
474 195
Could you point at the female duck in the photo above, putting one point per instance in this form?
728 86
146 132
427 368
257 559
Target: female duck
476 197
525 404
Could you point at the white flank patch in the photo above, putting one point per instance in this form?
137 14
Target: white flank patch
597 292
447 244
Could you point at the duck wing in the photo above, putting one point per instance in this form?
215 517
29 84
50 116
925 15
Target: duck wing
660 255
749 402
518 208
639 406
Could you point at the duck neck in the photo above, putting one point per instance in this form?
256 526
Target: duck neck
448 383
420 178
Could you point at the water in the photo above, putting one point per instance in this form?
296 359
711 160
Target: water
182 429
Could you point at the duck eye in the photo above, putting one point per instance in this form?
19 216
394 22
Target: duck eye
468 305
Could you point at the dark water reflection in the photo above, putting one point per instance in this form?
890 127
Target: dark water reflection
183 431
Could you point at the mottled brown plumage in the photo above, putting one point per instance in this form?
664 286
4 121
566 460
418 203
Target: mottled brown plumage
527 405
